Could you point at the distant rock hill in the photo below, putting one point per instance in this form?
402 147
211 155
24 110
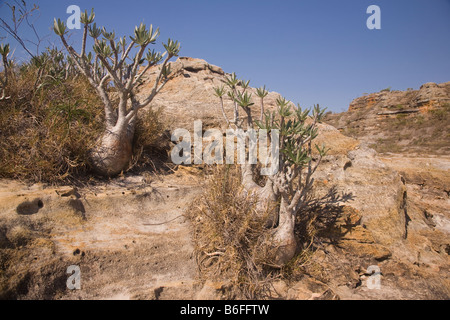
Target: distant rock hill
412 121
387 102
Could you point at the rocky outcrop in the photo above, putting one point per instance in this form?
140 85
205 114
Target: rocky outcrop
129 238
429 96
415 124
190 95
410 122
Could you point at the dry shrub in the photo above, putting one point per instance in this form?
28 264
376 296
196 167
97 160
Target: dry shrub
50 124
306 230
234 245
151 141
47 128
231 241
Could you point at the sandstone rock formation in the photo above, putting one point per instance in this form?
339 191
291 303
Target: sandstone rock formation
412 121
128 237
430 95
381 225
411 128
190 95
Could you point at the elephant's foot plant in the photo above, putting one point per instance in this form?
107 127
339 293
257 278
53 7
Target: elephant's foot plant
285 192
263 214
114 78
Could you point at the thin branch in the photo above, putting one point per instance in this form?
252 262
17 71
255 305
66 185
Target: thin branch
103 81
71 50
157 80
136 106
16 22
262 109
11 32
83 45
223 112
125 55
112 73
135 65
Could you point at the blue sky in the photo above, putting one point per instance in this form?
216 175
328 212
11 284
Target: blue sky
309 51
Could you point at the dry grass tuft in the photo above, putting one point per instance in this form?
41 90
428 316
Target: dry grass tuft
151 141
231 241
50 124
47 129
234 245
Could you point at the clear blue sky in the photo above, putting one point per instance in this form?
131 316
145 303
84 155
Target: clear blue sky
316 51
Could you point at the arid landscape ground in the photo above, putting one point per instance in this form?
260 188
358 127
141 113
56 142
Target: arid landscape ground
386 178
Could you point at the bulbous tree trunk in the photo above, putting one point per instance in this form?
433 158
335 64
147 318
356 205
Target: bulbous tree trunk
280 218
284 237
267 204
114 151
284 194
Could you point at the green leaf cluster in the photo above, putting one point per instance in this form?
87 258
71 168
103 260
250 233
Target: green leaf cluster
296 133
172 48
4 49
143 37
59 27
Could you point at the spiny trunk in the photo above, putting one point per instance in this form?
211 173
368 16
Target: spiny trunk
114 150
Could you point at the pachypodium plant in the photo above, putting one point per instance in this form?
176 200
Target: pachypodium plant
284 193
4 52
109 70
262 93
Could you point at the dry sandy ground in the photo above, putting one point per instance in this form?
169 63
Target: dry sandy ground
129 239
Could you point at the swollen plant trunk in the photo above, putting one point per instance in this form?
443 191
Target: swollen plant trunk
114 150
267 204
284 237
279 214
